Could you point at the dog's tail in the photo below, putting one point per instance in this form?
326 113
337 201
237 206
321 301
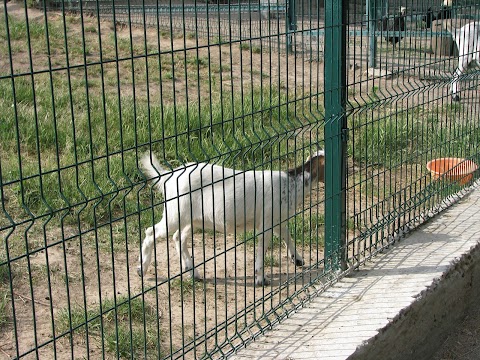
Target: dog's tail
153 170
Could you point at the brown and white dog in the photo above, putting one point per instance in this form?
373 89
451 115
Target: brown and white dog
206 196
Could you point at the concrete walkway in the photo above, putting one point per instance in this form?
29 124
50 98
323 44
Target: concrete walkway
402 305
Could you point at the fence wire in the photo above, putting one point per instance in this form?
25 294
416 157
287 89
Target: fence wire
187 141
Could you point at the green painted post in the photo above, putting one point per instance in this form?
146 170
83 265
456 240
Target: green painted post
372 27
335 133
291 24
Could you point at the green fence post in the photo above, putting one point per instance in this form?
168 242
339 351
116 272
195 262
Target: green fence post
335 133
372 27
291 24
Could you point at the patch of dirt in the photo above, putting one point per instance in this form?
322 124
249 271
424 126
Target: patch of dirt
464 341
74 277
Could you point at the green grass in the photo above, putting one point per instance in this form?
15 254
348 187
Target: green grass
19 33
305 230
403 137
4 293
186 284
107 128
373 94
255 49
308 229
75 166
269 261
122 326
123 341
4 272
4 308
18 30
197 61
79 150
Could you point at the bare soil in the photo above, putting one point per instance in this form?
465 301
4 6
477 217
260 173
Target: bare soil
464 341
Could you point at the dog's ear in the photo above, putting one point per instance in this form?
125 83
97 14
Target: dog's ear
314 166
317 166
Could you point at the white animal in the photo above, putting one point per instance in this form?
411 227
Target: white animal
207 196
467 39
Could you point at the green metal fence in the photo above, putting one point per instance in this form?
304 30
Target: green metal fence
89 87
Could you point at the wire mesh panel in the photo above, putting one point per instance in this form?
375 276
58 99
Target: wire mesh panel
111 124
157 155
255 21
405 116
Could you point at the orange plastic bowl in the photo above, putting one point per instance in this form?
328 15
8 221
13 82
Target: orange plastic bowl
454 169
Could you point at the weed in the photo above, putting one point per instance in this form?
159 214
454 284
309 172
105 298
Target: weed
123 325
129 343
74 320
453 108
304 230
271 261
4 314
244 46
197 61
373 94
164 33
4 271
20 30
256 49
308 229
91 29
186 284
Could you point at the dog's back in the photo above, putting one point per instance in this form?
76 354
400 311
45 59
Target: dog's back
468 40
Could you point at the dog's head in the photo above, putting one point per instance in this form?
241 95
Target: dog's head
313 170
315 165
